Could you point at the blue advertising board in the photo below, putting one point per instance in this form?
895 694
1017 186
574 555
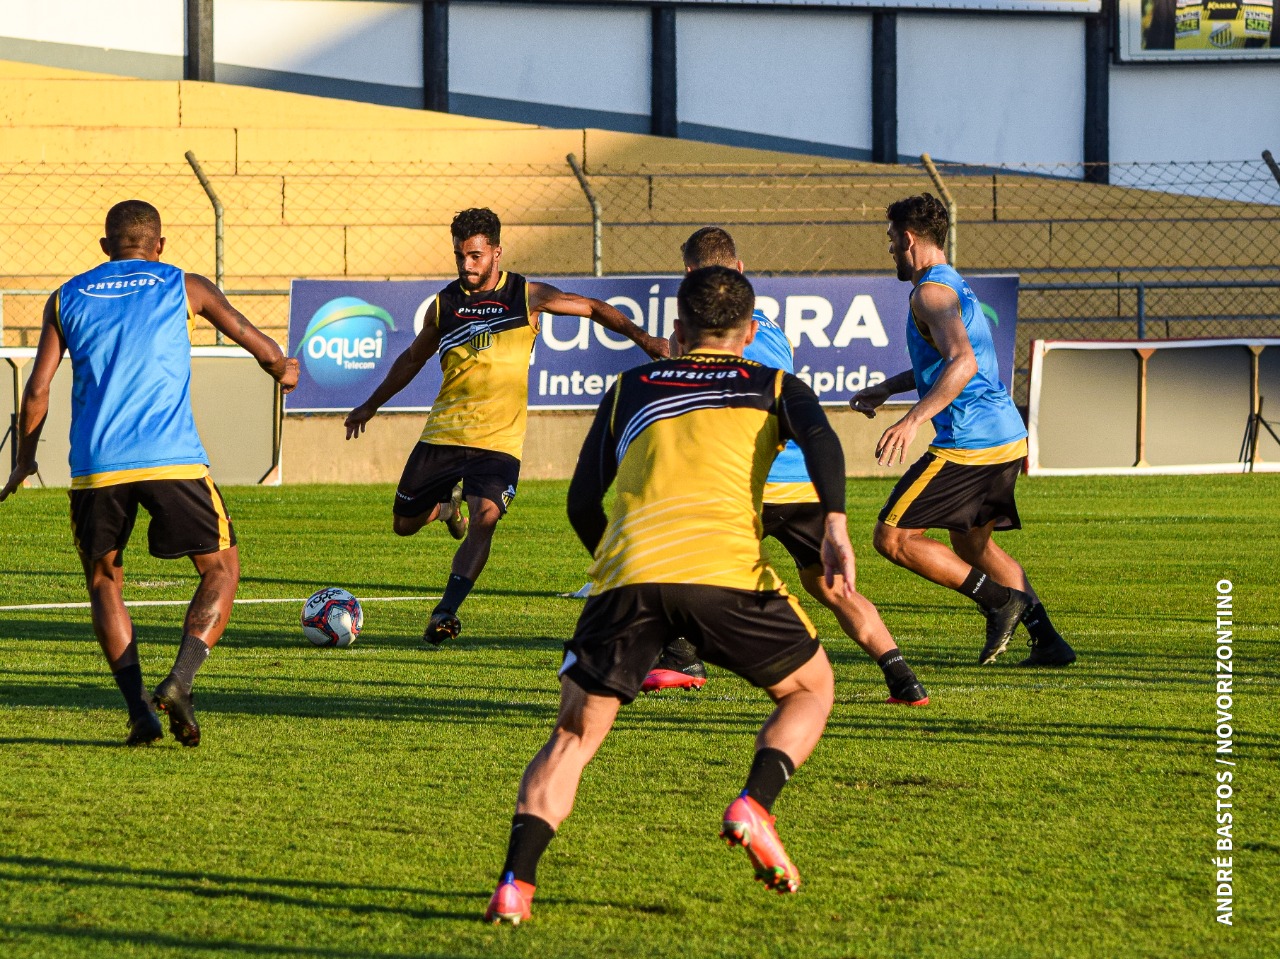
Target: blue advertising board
848 332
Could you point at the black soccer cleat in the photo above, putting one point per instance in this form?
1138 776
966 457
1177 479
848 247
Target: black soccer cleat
1051 652
442 626
908 694
144 730
170 698
1001 622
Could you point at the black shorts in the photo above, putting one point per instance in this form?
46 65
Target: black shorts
433 471
939 494
763 637
799 527
188 518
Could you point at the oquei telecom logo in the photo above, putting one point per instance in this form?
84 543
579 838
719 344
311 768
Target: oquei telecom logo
345 342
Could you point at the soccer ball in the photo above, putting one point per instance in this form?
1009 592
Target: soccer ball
332 617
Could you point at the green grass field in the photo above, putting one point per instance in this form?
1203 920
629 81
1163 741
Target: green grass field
350 803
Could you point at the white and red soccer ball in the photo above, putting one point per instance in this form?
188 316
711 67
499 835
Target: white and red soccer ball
332 617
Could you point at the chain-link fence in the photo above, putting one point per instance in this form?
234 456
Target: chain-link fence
1171 249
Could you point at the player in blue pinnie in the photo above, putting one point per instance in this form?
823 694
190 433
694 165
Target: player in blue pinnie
964 483
127 327
792 515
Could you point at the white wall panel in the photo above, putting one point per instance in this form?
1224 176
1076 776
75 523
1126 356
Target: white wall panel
373 42
141 26
1195 111
989 90
795 74
592 58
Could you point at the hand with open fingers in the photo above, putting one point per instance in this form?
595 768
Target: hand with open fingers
290 377
357 419
20 472
837 554
894 442
867 400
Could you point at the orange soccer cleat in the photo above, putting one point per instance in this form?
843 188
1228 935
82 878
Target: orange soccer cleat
747 824
512 902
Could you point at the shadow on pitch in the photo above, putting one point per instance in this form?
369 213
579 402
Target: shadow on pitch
267 890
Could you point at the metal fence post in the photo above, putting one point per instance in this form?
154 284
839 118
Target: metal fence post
1270 161
950 203
597 254
217 225
1142 311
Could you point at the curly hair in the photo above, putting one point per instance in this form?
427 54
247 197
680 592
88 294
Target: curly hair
716 300
924 215
477 221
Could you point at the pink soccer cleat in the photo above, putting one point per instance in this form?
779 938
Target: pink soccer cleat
746 824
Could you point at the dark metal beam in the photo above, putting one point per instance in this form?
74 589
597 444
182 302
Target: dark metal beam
199 60
884 87
1098 31
435 55
663 121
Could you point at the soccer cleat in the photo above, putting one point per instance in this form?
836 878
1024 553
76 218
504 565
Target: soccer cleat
1001 622
170 698
442 626
746 824
144 730
511 902
693 676
456 523
911 694
1052 652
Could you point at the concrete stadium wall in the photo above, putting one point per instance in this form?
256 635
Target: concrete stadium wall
795 79
314 450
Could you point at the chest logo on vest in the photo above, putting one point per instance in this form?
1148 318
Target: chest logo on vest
482 340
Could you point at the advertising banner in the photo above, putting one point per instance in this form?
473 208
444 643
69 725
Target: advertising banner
1199 30
847 331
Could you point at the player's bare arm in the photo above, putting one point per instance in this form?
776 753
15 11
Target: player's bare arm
801 418
35 397
937 311
870 398
406 366
544 298
208 301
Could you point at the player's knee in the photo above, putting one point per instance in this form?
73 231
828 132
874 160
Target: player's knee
888 542
406 525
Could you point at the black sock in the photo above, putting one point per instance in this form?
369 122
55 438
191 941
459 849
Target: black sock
1038 625
897 674
984 590
455 592
129 679
191 656
770 771
530 837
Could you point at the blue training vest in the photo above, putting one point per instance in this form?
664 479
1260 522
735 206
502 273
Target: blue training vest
772 348
983 415
126 328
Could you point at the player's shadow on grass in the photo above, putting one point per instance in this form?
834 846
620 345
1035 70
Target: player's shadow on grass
266 890
149 940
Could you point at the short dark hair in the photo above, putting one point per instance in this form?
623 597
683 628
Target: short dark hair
132 223
710 246
924 215
716 300
477 221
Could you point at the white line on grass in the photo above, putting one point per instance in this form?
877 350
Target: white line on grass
187 602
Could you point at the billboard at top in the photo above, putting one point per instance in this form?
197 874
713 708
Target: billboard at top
1018 6
847 332
1176 30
